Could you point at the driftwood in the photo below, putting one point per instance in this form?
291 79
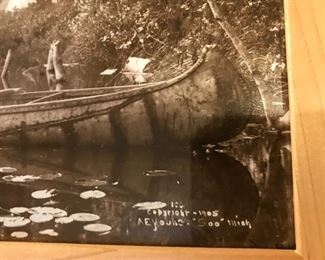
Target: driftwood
70 65
28 74
4 74
263 89
54 68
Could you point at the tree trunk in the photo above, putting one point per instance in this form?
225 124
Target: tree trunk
4 74
264 91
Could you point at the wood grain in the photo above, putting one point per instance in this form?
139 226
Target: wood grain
307 69
306 62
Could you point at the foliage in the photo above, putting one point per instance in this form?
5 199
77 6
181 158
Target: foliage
28 32
103 34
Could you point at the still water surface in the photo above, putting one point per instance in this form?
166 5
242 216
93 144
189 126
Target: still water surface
236 195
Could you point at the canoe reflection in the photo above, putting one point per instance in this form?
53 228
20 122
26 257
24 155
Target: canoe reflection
216 207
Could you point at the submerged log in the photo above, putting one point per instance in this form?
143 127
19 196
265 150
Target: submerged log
4 74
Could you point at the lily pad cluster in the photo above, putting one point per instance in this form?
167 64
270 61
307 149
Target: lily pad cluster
16 177
19 218
37 215
20 178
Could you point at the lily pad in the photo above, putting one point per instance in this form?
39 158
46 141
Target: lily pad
50 202
7 169
85 217
40 218
55 212
51 176
16 222
92 194
18 210
150 205
158 173
20 178
19 234
49 232
104 233
3 218
43 194
98 228
90 183
64 220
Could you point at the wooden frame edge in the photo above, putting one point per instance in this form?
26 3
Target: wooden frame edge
78 251
33 250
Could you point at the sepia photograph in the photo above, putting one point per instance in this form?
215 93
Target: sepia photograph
145 122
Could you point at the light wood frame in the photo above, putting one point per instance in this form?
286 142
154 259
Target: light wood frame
305 24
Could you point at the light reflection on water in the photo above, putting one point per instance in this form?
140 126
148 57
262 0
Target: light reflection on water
234 198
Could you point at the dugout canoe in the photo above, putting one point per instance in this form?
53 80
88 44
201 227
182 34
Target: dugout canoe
207 103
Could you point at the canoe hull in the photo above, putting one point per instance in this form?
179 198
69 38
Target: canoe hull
208 105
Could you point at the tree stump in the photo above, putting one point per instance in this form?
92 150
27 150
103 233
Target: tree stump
54 69
4 74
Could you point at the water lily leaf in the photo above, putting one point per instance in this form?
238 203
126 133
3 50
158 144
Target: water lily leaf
97 228
41 218
43 194
3 218
55 212
85 217
16 222
50 202
90 183
150 205
92 194
158 173
49 232
7 169
18 210
104 233
19 234
20 178
51 176
64 220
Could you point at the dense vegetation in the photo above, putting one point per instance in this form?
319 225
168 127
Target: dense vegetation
101 34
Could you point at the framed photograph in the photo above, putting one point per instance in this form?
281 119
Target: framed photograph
156 129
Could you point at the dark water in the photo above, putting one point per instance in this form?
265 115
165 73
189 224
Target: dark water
237 195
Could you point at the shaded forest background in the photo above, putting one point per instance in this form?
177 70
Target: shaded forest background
102 34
